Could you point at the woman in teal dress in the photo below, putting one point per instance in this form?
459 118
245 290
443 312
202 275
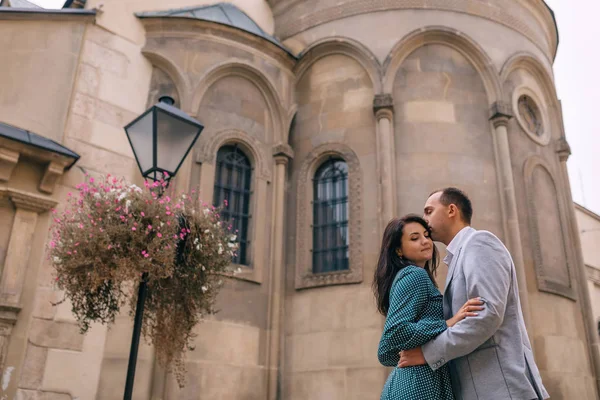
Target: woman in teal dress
407 296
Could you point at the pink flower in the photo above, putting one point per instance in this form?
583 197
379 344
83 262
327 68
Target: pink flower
91 180
149 227
143 215
110 246
145 253
159 234
133 229
53 244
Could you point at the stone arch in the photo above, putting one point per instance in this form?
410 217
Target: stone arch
448 37
182 84
343 46
304 277
239 68
210 145
528 62
541 189
543 77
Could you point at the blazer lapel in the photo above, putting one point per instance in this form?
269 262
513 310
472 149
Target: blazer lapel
456 259
452 269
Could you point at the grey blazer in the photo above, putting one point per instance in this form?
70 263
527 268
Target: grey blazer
490 355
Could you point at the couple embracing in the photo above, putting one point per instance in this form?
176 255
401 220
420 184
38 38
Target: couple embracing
472 342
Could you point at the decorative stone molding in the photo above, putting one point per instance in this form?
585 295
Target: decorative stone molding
304 276
500 114
8 161
563 149
383 106
291 19
53 171
545 281
30 202
208 146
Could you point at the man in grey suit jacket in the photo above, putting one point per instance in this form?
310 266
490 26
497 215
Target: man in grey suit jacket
490 355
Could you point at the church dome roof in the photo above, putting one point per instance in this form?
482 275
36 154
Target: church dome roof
221 13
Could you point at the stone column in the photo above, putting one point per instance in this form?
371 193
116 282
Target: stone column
28 206
275 333
500 115
564 151
386 158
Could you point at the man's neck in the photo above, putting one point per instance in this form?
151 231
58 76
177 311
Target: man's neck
454 232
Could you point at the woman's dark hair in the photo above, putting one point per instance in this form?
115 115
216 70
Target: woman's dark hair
390 263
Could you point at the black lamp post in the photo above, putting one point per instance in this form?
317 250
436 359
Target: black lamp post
161 138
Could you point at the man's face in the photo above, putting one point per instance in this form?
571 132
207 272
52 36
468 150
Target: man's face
436 215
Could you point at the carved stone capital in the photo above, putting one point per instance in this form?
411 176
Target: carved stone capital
8 161
30 202
283 153
563 149
8 317
383 106
53 171
500 114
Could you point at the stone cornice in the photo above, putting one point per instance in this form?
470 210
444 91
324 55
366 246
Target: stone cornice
36 14
293 16
210 31
28 201
55 164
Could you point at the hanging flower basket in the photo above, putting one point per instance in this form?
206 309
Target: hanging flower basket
112 233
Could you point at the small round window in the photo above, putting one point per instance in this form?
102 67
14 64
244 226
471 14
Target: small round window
531 116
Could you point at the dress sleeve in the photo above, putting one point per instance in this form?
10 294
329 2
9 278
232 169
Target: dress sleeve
403 330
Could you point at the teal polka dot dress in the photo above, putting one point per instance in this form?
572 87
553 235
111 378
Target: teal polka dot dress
415 316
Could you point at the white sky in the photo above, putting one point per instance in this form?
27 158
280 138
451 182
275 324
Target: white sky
578 85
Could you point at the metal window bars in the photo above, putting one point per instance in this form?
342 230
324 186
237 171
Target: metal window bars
330 217
233 180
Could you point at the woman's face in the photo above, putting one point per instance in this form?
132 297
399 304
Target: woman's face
416 245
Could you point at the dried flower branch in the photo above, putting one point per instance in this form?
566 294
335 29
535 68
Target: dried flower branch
111 233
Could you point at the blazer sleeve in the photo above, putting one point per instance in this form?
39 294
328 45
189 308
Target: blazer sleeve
403 329
487 269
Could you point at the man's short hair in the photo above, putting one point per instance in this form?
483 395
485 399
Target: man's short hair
452 195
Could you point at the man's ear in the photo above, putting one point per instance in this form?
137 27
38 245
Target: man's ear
452 211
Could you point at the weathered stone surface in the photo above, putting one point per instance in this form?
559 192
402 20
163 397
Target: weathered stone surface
33 367
57 335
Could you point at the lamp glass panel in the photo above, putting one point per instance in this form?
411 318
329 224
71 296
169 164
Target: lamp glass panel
140 135
174 138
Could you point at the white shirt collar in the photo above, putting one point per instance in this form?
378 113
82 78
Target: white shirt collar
456 243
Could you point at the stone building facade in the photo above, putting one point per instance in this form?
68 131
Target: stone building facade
358 107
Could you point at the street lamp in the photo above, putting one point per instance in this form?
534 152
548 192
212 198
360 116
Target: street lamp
161 138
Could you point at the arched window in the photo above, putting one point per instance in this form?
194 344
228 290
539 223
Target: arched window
233 178
330 217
